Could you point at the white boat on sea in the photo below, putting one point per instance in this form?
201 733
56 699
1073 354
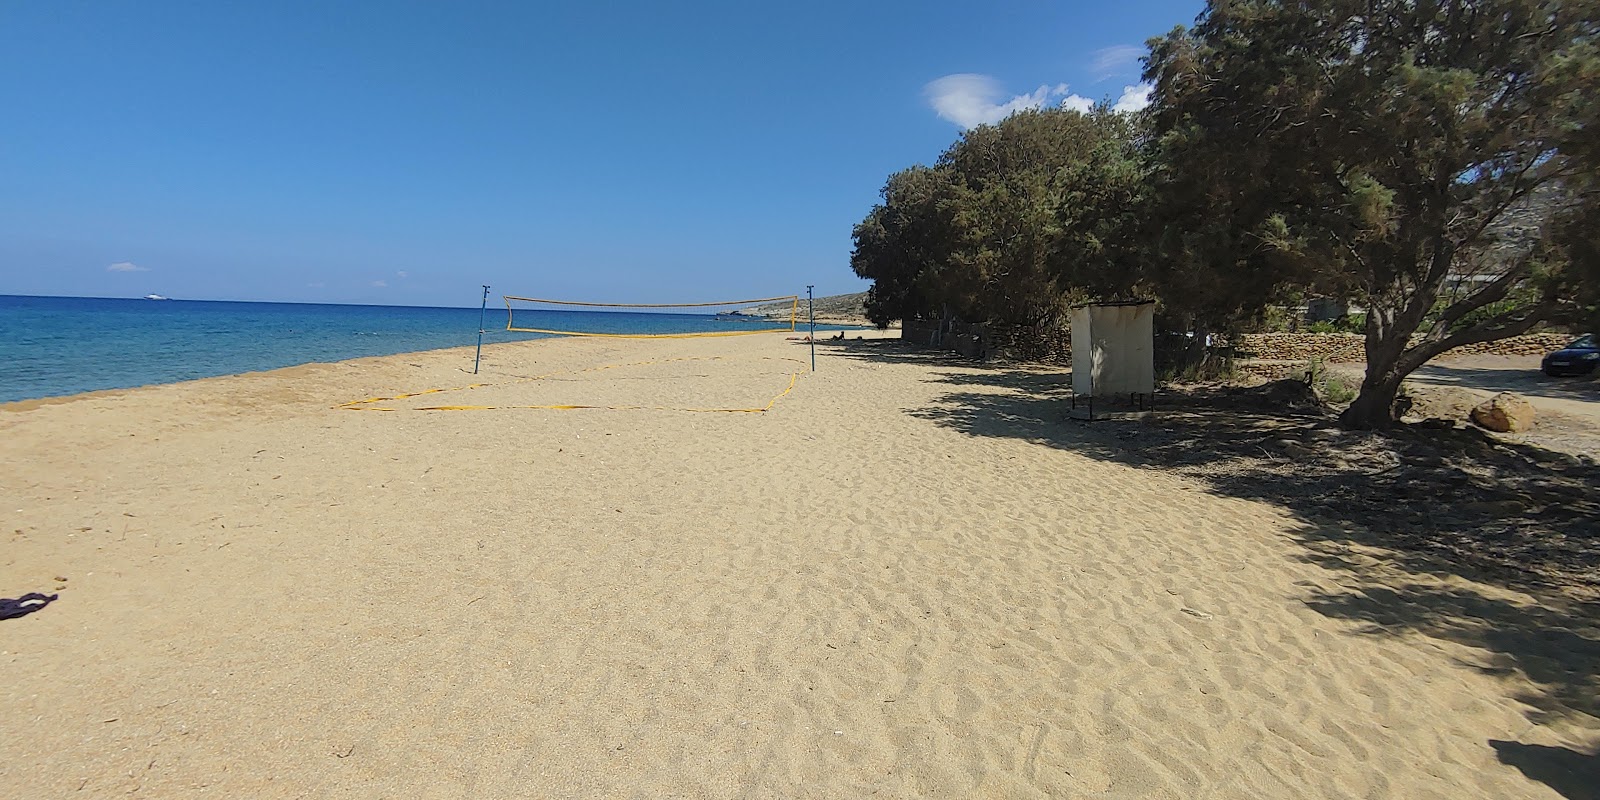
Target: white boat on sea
156 297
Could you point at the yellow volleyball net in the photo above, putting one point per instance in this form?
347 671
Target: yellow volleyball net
652 320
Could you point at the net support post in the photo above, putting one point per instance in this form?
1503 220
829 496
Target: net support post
482 311
811 312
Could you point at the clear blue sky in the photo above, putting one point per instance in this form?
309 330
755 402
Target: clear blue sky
406 152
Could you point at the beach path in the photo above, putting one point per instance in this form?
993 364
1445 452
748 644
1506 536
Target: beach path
878 587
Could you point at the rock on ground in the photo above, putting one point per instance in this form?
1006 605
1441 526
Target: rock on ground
1505 413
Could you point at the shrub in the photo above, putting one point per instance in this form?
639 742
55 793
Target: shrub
1331 387
1350 323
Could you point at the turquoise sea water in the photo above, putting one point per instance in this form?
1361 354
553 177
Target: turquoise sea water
51 346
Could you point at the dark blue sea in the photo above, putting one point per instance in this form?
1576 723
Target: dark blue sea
51 346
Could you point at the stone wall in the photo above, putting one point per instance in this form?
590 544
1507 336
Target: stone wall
957 337
1301 346
1347 347
1054 345
1534 344
1044 344
1019 342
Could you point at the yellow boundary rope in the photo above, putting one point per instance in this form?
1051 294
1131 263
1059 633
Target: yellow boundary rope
650 335
370 403
794 314
793 297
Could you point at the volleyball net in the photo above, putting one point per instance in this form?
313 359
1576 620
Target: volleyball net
652 320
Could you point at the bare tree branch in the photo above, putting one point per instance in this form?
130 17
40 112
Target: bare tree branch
1492 293
1499 327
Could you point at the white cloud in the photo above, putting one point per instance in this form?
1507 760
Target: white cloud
1078 103
1134 98
1118 59
379 284
316 285
970 100
126 266
402 273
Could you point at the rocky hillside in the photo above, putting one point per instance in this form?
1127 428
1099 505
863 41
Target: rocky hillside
846 309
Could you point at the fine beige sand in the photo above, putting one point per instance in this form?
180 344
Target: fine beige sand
269 596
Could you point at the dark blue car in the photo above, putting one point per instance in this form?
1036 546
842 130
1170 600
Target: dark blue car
1577 358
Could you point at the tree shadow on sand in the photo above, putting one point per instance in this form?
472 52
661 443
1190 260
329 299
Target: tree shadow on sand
1575 775
1399 514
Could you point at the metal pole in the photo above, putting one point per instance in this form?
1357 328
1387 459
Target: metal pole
811 312
481 312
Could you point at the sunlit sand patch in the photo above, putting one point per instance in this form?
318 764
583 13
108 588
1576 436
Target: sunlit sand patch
686 383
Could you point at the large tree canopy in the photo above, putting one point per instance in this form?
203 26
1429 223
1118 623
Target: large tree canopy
902 245
1427 159
1013 221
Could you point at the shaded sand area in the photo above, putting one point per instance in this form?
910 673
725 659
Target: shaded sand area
893 583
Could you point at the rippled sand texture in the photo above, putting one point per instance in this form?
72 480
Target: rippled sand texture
267 596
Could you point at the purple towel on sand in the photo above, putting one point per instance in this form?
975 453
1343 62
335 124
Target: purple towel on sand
24 605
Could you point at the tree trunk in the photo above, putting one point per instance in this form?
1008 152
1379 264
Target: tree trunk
1375 406
1388 333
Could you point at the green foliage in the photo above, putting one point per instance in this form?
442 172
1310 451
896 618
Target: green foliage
901 242
1330 386
1350 323
1211 367
1274 319
1370 149
1014 222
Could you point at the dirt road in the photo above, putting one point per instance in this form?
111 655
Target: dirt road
1487 375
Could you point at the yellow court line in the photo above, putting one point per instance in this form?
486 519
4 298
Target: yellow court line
369 403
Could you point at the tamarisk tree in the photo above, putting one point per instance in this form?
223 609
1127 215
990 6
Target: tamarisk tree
1432 161
1012 223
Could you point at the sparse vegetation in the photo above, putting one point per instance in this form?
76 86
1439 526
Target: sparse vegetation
1330 386
1350 323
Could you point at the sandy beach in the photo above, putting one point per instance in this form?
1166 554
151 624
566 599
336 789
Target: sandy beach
875 587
